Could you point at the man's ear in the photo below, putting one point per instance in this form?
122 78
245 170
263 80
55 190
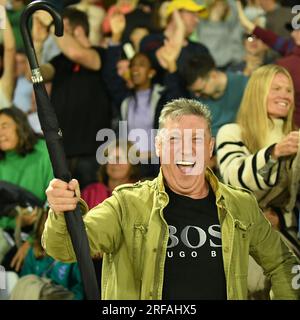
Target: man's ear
157 145
211 146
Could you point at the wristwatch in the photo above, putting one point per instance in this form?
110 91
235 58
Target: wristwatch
264 171
269 151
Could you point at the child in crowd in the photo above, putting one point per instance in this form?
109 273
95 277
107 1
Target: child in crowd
44 267
118 170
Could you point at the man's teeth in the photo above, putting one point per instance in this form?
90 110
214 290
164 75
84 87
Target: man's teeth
185 163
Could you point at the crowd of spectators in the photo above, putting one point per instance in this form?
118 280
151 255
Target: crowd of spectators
122 61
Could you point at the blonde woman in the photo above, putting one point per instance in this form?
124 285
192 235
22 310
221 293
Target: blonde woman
260 151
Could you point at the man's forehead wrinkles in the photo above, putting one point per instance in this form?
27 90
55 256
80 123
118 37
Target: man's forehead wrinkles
182 132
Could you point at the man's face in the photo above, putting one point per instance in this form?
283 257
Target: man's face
190 21
185 147
206 87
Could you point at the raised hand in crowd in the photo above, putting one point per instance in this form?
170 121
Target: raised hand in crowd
245 22
218 11
117 23
76 46
178 34
3 3
175 41
41 21
9 44
167 55
288 146
40 28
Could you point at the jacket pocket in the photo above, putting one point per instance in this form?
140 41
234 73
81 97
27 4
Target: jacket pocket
242 230
243 226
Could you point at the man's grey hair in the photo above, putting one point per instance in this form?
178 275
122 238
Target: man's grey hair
177 108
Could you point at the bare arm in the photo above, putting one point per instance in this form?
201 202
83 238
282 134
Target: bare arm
8 77
87 57
68 44
175 38
168 55
245 22
277 43
39 35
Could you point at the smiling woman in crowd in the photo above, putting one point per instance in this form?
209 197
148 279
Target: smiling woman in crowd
24 162
260 151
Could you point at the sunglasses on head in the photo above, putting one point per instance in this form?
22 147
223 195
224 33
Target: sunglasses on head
250 37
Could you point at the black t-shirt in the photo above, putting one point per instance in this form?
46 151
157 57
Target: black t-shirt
194 263
80 99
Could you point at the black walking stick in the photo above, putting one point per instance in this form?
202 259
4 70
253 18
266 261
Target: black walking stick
53 137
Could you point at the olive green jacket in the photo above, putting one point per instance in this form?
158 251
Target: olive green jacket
130 229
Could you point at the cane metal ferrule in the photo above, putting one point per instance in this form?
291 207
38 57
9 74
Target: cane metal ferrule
36 76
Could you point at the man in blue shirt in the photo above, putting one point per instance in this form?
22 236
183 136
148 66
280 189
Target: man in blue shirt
221 91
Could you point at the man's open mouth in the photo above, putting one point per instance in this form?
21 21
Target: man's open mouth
185 166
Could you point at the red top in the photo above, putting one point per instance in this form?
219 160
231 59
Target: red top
95 193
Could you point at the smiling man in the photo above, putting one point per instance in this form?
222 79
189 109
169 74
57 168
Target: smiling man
184 235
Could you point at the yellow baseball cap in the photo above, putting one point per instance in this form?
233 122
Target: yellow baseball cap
188 5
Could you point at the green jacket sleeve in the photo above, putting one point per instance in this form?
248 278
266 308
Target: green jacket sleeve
272 254
102 224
